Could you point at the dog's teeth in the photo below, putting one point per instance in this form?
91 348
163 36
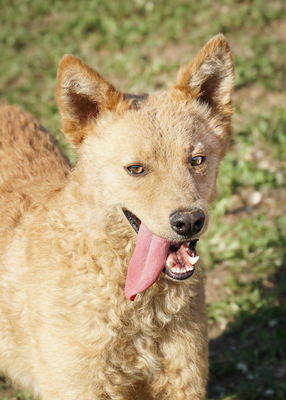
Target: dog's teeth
190 268
183 270
193 260
169 264
176 269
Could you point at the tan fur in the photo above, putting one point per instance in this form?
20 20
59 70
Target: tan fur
66 329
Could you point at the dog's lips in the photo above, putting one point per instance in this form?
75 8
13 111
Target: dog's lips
154 255
132 219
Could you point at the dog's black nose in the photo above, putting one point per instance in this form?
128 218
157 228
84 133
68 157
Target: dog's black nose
187 222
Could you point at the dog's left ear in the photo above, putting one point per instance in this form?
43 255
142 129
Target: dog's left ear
83 96
210 77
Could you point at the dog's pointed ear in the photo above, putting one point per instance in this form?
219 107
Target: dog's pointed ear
210 77
83 95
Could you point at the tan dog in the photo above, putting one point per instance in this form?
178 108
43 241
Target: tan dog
68 329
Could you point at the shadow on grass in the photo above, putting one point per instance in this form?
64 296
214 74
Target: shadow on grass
248 361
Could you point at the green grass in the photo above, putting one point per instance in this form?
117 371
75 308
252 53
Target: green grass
138 45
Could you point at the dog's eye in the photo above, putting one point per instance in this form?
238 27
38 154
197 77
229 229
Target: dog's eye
135 170
198 160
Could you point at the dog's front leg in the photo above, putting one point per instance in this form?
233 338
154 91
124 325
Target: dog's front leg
185 361
79 388
83 395
181 385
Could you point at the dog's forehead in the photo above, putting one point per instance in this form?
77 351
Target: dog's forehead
164 120
154 128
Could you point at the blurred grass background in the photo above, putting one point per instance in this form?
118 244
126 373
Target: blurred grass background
139 45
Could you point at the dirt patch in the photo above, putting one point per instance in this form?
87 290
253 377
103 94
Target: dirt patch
181 53
279 30
256 97
216 285
216 288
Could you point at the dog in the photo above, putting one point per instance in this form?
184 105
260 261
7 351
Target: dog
101 292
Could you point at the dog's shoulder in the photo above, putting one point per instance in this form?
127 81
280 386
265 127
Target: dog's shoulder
32 166
26 147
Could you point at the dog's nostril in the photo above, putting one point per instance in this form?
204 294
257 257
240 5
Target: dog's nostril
187 222
179 225
199 224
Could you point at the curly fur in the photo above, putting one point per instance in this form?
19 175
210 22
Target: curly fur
66 329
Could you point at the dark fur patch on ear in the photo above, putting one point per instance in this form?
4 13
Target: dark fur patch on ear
86 109
208 90
136 100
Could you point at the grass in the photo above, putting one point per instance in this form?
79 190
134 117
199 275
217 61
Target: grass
139 45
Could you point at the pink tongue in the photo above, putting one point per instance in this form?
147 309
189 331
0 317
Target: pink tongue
147 262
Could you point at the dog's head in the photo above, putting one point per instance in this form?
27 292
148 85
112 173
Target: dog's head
155 158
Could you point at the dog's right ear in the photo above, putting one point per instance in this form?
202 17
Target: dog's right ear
210 77
83 95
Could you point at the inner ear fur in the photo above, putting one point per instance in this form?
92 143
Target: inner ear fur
83 95
210 77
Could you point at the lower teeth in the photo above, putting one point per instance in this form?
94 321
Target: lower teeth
179 270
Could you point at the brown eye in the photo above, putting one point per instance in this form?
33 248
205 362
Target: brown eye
198 160
136 170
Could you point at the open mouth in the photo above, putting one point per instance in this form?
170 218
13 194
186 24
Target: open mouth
181 260
181 256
